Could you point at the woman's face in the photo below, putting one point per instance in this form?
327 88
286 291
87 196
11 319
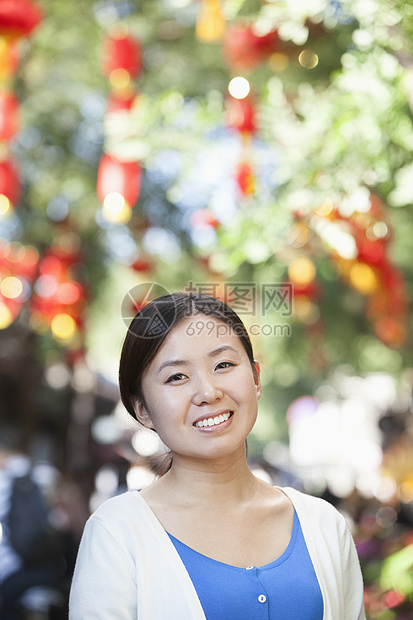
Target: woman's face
200 392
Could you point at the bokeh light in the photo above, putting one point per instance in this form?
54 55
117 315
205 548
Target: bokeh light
6 316
4 205
302 271
308 59
239 87
11 287
364 278
63 326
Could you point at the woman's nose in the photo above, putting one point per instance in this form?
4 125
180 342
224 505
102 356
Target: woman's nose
206 391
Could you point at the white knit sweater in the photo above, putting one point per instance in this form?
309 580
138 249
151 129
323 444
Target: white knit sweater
128 568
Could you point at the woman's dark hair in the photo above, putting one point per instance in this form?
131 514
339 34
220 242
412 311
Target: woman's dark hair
150 328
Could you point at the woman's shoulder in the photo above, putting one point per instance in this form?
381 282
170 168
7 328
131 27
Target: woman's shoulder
119 508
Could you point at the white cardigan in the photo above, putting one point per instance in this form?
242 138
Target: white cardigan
128 568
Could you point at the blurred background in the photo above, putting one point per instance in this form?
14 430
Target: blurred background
256 150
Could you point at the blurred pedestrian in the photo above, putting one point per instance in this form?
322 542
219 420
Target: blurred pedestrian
29 548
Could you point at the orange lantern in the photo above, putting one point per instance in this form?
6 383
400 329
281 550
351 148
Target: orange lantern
18 18
9 116
119 177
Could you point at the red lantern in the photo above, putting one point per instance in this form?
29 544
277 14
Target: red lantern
243 49
241 114
121 52
9 116
56 292
119 176
9 181
18 18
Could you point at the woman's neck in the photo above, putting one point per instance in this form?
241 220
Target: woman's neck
224 482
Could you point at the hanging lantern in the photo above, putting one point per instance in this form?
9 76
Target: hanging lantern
210 23
240 114
121 58
242 48
18 18
9 116
10 187
58 301
118 177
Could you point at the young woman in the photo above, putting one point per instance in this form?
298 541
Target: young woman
208 540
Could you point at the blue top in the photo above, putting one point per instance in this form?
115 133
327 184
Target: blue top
285 589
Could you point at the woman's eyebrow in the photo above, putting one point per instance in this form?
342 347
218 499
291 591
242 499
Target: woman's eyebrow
172 363
225 347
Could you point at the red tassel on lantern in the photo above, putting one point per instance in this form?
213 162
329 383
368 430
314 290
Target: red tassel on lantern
241 114
9 59
9 116
9 181
18 18
117 103
121 52
119 176
203 219
142 264
245 178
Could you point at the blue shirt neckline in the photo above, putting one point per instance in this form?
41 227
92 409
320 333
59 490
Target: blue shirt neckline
282 558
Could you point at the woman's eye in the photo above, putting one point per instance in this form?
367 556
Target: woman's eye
178 376
225 365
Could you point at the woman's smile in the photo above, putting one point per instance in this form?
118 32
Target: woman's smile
213 422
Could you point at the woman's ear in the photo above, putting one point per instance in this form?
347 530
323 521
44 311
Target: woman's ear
257 378
142 415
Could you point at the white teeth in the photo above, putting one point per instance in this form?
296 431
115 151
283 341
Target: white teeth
222 417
